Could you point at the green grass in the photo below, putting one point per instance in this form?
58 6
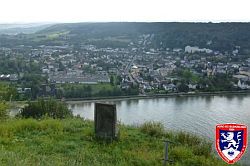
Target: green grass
71 142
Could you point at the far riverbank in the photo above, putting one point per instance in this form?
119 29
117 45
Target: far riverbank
20 104
117 98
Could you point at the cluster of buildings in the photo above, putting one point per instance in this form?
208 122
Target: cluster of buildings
138 64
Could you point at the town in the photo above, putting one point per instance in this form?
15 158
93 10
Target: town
138 69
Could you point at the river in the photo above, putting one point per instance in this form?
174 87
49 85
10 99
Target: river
195 114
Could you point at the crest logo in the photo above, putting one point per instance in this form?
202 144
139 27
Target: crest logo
231 141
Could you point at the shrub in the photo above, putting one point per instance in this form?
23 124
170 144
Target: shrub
153 129
50 108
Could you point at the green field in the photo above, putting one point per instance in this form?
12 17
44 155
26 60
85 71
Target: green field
72 142
95 87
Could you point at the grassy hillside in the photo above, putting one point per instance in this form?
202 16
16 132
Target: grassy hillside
71 142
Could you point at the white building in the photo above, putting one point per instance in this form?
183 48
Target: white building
242 85
190 49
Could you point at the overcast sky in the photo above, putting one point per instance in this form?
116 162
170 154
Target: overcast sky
12 11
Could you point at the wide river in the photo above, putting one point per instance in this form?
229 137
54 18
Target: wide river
197 114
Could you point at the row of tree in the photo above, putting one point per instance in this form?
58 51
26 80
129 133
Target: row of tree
88 91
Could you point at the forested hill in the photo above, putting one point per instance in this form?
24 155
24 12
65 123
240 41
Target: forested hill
216 36
13 29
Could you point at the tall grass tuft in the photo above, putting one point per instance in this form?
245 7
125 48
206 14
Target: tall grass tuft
188 139
153 129
3 110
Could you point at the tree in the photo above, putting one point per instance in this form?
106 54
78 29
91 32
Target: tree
182 87
11 93
112 80
34 82
61 67
188 76
119 80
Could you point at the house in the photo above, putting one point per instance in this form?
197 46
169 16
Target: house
113 71
23 90
45 71
192 86
244 71
243 85
177 50
146 86
165 71
135 69
125 85
241 77
13 77
169 87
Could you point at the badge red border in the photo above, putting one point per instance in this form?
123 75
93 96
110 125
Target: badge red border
231 127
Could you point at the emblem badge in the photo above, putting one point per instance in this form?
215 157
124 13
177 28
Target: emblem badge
231 141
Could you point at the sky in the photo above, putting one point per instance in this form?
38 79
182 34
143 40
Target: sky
25 11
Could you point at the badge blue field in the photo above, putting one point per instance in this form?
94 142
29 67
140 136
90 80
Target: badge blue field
231 141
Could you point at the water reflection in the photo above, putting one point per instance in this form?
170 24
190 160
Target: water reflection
132 102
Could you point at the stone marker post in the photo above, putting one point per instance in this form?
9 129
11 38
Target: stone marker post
105 121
